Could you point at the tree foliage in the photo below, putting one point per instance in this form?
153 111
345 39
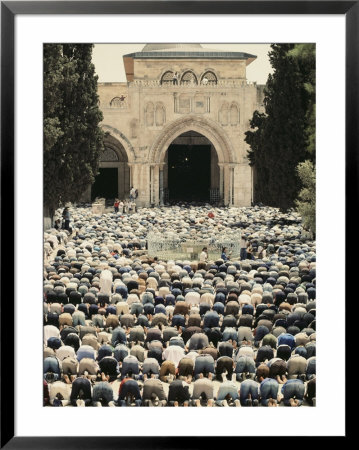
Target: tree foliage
73 139
279 138
306 199
304 54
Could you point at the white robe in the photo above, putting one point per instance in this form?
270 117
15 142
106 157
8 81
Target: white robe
106 282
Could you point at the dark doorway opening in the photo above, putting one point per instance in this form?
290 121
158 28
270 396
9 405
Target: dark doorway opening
189 172
106 184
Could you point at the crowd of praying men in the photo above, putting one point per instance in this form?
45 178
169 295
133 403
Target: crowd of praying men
122 328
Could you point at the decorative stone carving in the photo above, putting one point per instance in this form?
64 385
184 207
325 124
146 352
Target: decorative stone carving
149 114
200 104
167 77
184 104
189 78
209 78
160 114
134 128
223 114
234 114
119 102
108 155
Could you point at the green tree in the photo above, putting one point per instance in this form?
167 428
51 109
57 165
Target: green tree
304 54
306 198
73 139
278 141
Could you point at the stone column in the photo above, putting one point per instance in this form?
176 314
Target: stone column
221 181
161 184
120 181
226 184
130 165
243 184
152 181
232 190
156 184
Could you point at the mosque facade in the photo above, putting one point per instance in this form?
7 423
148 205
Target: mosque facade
175 129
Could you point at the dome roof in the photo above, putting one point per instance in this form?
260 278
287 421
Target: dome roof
178 47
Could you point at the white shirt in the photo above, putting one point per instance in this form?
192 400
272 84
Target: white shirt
59 387
193 355
66 351
244 299
203 256
207 298
106 282
132 298
246 351
192 298
50 331
122 307
174 353
56 308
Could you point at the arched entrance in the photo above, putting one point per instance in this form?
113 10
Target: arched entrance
223 159
113 179
191 171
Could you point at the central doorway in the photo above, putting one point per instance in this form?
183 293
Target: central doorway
192 169
189 176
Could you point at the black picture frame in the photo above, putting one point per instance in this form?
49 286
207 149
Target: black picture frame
9 9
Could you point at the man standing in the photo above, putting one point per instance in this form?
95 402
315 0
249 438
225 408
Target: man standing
243 254
132 194
66 217
204 255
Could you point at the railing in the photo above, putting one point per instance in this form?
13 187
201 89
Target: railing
170 246
166 195
215 196
219 84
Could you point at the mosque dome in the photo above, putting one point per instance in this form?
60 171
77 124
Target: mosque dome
179 47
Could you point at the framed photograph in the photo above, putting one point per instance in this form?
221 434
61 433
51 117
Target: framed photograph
135 29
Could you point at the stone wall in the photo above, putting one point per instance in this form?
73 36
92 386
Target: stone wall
145 117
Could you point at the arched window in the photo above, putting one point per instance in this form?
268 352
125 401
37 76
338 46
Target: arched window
160 114
234 114
223 114
108 155
150 114
189 78
134 127
167 77
209 78
118 102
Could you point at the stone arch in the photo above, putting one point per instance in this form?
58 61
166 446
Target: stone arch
223 114
189 77
150 114
206 127
113 177
160 114
210 75
119 140
234 113
115 146
109 154
167 76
